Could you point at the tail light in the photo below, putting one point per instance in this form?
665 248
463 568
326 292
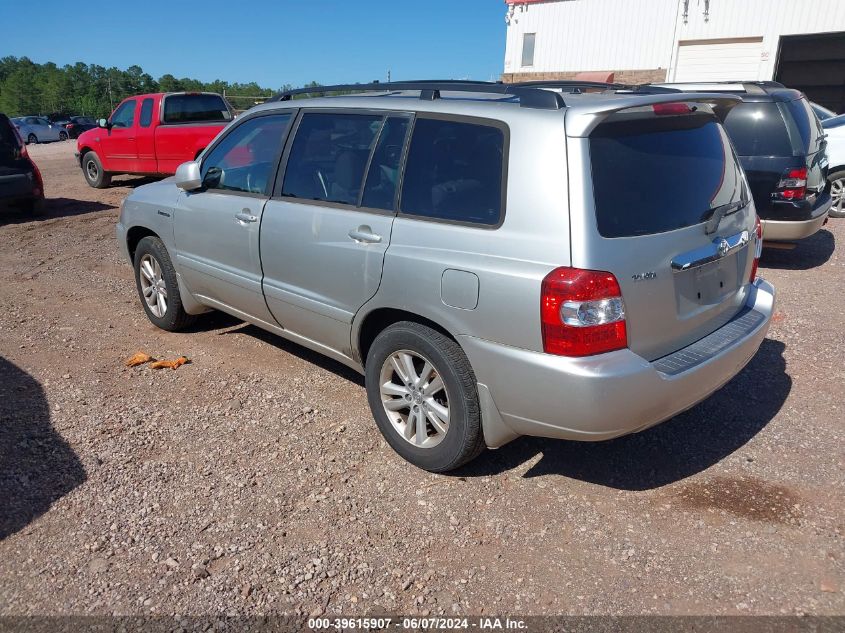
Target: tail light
582 313
758 249
793 184
671 108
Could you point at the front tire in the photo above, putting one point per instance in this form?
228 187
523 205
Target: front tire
423 396
62 136
158 288
32 140
837 192
92 169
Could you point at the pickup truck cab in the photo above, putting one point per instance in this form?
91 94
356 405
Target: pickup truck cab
151 135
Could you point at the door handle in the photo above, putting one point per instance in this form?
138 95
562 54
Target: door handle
364 234
244 217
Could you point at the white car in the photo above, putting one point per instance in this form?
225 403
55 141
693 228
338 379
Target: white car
835 129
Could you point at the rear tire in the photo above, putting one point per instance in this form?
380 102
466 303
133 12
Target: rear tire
32 140
92 169
837 192
444 402
158 288
62 136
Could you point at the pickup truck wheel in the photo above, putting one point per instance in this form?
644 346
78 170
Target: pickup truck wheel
423 395
158 289
92 169
837 192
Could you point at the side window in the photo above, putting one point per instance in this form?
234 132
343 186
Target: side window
528 40
245 160
380 189
124 116
329 155
146 112
454 172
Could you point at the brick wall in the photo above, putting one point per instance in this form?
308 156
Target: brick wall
643 76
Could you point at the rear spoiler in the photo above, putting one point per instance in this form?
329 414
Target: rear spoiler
581 120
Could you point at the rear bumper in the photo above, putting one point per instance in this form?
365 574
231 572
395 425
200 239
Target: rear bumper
601 397
18 187
787 230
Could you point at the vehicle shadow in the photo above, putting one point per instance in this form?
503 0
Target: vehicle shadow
37 466
133 181
53 208
688 444
808 253
219 320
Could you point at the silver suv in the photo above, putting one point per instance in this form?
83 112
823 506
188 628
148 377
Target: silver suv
497 260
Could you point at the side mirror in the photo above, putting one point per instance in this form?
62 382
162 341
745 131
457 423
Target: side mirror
188 176
103 123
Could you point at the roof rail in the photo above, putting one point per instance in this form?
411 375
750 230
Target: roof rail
529 97
573 84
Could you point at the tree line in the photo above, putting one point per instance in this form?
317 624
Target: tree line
88 89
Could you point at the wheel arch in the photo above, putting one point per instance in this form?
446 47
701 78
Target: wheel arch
134 235
378 319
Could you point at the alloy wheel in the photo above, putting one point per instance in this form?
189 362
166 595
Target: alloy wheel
414 398
153 286
837 192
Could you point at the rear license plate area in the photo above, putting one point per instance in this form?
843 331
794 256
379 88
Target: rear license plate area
707 285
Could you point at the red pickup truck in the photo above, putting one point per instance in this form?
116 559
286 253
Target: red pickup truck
151 134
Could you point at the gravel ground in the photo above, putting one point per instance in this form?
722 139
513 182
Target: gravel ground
253 480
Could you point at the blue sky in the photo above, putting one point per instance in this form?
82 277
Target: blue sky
270 42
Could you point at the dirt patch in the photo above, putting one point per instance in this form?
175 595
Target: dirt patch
747 497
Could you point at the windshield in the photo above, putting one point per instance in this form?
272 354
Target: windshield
653 174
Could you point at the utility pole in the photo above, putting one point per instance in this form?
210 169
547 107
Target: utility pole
388 75
111 101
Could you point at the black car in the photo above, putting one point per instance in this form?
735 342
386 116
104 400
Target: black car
20 181
75 125
781 145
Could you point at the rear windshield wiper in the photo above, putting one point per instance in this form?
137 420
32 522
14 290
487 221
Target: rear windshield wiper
714 216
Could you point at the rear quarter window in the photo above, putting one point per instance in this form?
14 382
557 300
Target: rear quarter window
195 108
758 129
809 127
656 174
454 172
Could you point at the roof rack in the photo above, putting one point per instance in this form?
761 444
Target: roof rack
529 97
573 85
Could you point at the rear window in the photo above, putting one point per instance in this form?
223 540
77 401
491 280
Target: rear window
7 135
758 129
193 108
454 172
655 174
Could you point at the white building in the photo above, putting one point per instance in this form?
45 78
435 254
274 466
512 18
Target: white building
800 43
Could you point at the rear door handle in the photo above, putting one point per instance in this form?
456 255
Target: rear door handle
364 234
245 217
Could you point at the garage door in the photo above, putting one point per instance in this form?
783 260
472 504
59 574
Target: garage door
814 64
718 60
